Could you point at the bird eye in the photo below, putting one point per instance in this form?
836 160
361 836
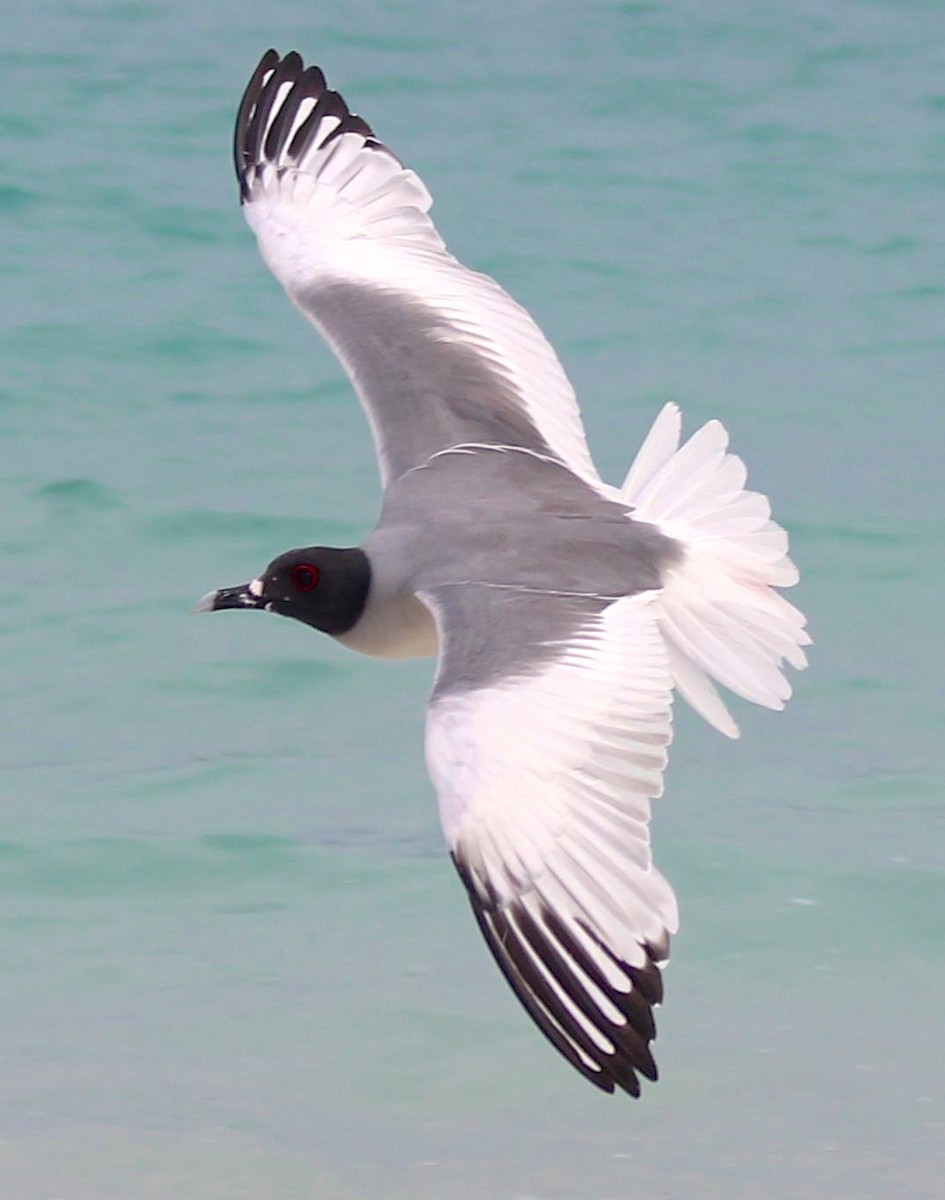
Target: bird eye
304 576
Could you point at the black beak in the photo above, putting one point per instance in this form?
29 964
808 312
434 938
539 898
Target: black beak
233 597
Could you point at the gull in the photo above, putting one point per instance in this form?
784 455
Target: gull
564 611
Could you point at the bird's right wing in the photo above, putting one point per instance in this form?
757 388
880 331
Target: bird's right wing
547 735
438 354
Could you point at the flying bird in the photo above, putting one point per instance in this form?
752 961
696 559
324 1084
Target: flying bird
564 611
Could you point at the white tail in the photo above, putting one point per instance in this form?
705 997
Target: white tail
720 614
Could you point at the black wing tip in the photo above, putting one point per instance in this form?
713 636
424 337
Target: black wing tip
270 58
253 143
610 1071
268 62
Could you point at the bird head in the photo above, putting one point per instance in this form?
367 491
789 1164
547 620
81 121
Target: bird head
321 586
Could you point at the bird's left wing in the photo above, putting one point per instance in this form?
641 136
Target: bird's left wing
438 354
547 735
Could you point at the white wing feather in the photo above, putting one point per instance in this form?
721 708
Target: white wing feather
347 212
545 784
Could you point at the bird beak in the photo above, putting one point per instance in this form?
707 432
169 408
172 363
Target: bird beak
247 595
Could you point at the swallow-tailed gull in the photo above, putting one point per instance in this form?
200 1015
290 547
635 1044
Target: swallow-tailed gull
564 611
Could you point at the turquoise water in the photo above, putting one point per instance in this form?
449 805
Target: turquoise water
235 960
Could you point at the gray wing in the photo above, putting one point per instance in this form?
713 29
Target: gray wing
438 354
547 735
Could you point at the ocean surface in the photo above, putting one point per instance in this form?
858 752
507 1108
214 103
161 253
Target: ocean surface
236 962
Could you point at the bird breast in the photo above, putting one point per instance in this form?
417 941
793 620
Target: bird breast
393 625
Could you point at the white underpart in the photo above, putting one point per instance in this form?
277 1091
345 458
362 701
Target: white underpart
397 625
719 612
545 783
348 213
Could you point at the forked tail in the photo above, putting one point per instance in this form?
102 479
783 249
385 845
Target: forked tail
721 617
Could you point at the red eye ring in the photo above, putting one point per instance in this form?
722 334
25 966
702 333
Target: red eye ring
304 577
